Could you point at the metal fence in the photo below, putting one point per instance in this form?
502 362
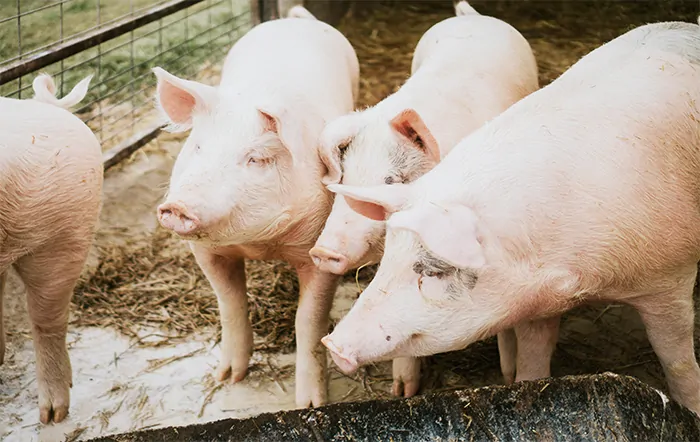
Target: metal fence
118 41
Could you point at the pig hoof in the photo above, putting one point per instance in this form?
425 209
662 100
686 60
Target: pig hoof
54 401
56 412
405 388
225 371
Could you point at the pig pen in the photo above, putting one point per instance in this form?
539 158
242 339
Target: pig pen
144 322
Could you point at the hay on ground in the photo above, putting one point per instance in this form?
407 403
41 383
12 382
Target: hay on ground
154 281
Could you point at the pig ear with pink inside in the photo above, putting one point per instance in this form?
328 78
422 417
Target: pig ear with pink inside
181 99
279 123
449 232
374 202
334 138
411 126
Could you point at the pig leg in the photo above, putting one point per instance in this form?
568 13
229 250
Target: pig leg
3 276
669 321
406 372
316 291
508 351
50 276
227 278
536 343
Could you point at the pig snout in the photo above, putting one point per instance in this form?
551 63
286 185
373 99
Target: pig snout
178 218
329 260
346 362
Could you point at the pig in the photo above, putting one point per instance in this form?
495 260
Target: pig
50 198
247 182
465 71
586 190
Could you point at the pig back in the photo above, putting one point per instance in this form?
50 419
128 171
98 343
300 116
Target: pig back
599 171
50 176
478 42
294 60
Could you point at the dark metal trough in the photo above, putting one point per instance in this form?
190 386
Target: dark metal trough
604 407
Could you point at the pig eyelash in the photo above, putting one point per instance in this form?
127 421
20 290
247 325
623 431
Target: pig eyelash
393 180
424 272
258 161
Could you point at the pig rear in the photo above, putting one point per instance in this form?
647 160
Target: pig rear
50 193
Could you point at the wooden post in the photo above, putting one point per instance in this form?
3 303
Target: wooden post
268 10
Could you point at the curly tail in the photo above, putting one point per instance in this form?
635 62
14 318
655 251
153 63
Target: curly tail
464 8
45 91
299 11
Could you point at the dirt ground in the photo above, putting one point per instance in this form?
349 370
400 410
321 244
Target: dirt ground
143 334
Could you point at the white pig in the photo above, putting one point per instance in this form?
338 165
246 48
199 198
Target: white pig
588 189
466 70
50 195
247 182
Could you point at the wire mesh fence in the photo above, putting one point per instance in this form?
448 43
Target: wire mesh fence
117 41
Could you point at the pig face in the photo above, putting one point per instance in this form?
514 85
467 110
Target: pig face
425 296
231 182
362 150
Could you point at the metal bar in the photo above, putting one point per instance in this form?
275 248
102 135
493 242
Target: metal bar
93 39
150 83
26 13
166 64
81 33
124 150
254 6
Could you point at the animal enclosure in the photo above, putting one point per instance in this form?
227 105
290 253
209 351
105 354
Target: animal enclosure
144 323
118 42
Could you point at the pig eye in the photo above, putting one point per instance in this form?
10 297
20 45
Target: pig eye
424 272
258 161
433 274
394 179
197 147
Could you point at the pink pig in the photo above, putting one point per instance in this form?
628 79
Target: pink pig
50 195
466 70
588 189
247 182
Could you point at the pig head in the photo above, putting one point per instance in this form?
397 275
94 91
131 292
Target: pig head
420 302
365 149
238 175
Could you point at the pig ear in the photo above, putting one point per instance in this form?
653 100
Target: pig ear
335 137
450 233
280 124
411 126
180 99
374 202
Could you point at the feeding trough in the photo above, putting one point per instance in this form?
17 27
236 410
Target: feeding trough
604 407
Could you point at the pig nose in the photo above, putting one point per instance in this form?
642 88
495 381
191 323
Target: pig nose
176 217
347 363
328 260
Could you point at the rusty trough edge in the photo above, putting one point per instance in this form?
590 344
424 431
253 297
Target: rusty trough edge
79 44
601 407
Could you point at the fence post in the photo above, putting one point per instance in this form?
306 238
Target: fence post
255 15
269 10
